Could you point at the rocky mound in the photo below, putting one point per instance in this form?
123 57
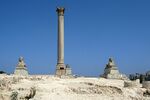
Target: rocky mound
44 87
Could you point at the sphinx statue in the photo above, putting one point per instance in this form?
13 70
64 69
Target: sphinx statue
21 62
21 68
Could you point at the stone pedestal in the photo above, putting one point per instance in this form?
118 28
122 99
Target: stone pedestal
60 69
63 70
68 71
111 71
21 71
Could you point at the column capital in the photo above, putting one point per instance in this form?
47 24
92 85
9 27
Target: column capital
60 11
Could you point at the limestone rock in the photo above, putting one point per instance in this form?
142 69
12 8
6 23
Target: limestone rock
46 87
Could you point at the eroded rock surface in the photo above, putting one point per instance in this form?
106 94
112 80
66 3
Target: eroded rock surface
44 87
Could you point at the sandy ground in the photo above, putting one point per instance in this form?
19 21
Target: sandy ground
46 87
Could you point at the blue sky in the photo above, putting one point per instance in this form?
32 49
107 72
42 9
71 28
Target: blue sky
94 31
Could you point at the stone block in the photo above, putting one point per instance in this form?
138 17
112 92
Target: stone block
21 71
146 84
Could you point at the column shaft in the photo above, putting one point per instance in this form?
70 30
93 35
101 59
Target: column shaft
60 51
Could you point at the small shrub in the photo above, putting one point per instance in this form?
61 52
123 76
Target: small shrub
14 95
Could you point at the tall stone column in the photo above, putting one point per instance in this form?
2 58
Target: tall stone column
60 70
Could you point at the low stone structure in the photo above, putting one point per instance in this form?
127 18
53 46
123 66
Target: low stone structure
146 84
111 71
21 68
147 76
135 83
66 72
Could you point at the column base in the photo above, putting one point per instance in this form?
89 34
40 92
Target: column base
62 70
